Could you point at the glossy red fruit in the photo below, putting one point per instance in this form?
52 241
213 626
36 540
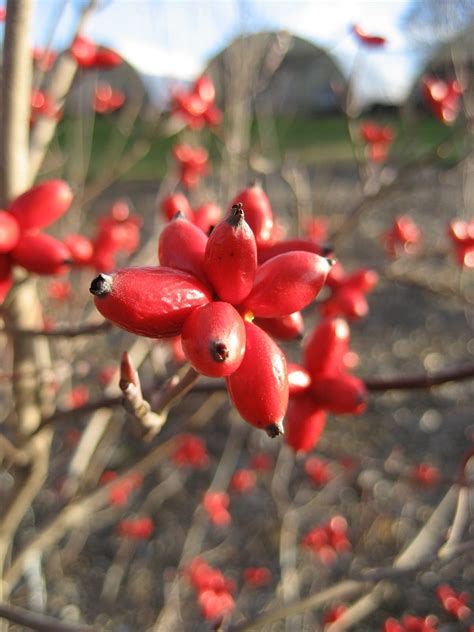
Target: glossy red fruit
213 339
304 423
6 279
230 260
42 254
175 203
207 216
287 283
151 302
299 380
340 394
259 387
9 231
283 328
326 347
81 249
182 246
307 245
258 213
42 204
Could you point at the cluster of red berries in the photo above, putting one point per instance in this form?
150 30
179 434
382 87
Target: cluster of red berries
378 139
455 604
105 99
328 540
209 290
193 164
348 292
88 55
443 98
403 236
216 506
461 234
197 106
323 384
214 590
21 240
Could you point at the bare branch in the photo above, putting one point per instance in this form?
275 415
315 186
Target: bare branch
38 621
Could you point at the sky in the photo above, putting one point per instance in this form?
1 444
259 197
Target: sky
176 38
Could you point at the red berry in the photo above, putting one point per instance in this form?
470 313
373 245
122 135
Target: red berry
81 249
299 379
304 424
152 302
259 387
176 203
42 254
230 260
136 529
83 50
213 339
106 58
339 394
256 576
258 213
286 284
243 481
215 505
182 246
190 451
9 232
42 205
306 245
283 328
326 347
207 216
317 470
204 88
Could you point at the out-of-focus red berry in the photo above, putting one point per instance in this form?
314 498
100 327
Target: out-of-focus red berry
136 529
317 470
243 481
215 505
256 576
190 452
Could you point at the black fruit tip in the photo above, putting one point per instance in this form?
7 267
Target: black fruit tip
179 215
299 337
219 351
236 214
68 262
275 430
331 261
101 285
327 250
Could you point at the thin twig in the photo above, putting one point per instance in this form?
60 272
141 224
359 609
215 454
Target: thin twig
38 621
63 332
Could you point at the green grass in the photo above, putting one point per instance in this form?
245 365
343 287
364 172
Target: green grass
317 141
